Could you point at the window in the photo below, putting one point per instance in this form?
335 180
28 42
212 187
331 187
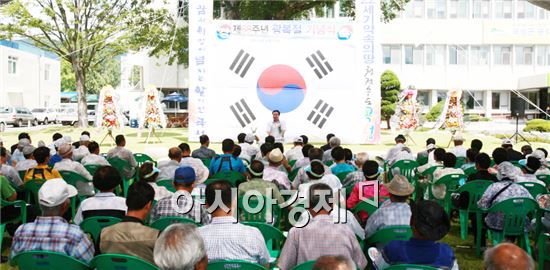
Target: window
458 9
525 10
423 97
435 55
458 55
500 100
502 55
441 95
481 9
479 55
413 55
543 55
415 9
436 9
503 9
533 97
495 100
524 55
46 72
474 99
12 64
392 54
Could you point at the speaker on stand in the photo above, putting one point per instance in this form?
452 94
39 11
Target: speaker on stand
518 110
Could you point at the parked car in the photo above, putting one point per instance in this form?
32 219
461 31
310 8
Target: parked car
16 116
45 115
69 116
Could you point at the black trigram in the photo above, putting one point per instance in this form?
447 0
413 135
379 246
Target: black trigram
242 112
320 65
320 113
242 63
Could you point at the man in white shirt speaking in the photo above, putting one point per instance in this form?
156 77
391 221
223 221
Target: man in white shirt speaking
276 128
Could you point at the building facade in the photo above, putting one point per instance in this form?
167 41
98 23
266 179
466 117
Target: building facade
482 47
29 77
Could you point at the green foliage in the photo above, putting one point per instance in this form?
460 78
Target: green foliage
540 125
389 86
435 111
106 73
475 118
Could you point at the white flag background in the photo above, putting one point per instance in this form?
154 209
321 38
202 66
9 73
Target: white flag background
239 82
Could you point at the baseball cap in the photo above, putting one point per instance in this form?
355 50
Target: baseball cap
298 140
24 142
275 155
84 138
430 146
184 175
458 137
249 138
507 142
27 150
54 192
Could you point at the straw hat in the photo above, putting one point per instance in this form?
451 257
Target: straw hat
400 186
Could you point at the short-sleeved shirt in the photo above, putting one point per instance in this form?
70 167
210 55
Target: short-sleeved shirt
341 168
416 251
6 189
203 153
165 208
276 129
226 162
102 204
42 172
11 174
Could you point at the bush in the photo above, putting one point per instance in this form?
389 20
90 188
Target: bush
435 111
537 125
475 118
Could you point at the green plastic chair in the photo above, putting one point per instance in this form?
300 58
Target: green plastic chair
292 162
451 183
539 226
342 175
459 162
349 189
545 178
406 168
365 207
21 218
32 186
293 173
234 264
430 171
329 163
475 190
274 238
94 225
470 171
544 252
142 158
261 215
515 211
161 223
422 161
410 267
304 266
121 166
72 178
167 183
388 234
47 260
534 188
22 175
92 168
206 162
120 262
235 178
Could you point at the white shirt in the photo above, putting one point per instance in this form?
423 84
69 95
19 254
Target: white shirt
101 201
167 169
200 170
80 153
394 151
93 159
276 129
458 151
295 153
338 216
124 154
529 178
248 150
301 163
401 155
26 164
17 156
73 166
327 156
273 173
160 191
440 190
11 174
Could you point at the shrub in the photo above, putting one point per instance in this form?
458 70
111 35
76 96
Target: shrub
435 111
537 125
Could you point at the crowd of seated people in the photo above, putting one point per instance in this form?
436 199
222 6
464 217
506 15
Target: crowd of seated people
330 230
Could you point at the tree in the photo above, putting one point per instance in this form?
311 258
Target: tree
389 87
106 73
84 33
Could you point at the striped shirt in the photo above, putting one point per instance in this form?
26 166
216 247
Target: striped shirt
53 234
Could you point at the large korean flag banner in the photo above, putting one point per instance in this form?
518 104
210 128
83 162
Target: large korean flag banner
321 75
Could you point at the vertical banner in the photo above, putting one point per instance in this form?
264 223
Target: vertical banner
321 75
368 18
200 17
